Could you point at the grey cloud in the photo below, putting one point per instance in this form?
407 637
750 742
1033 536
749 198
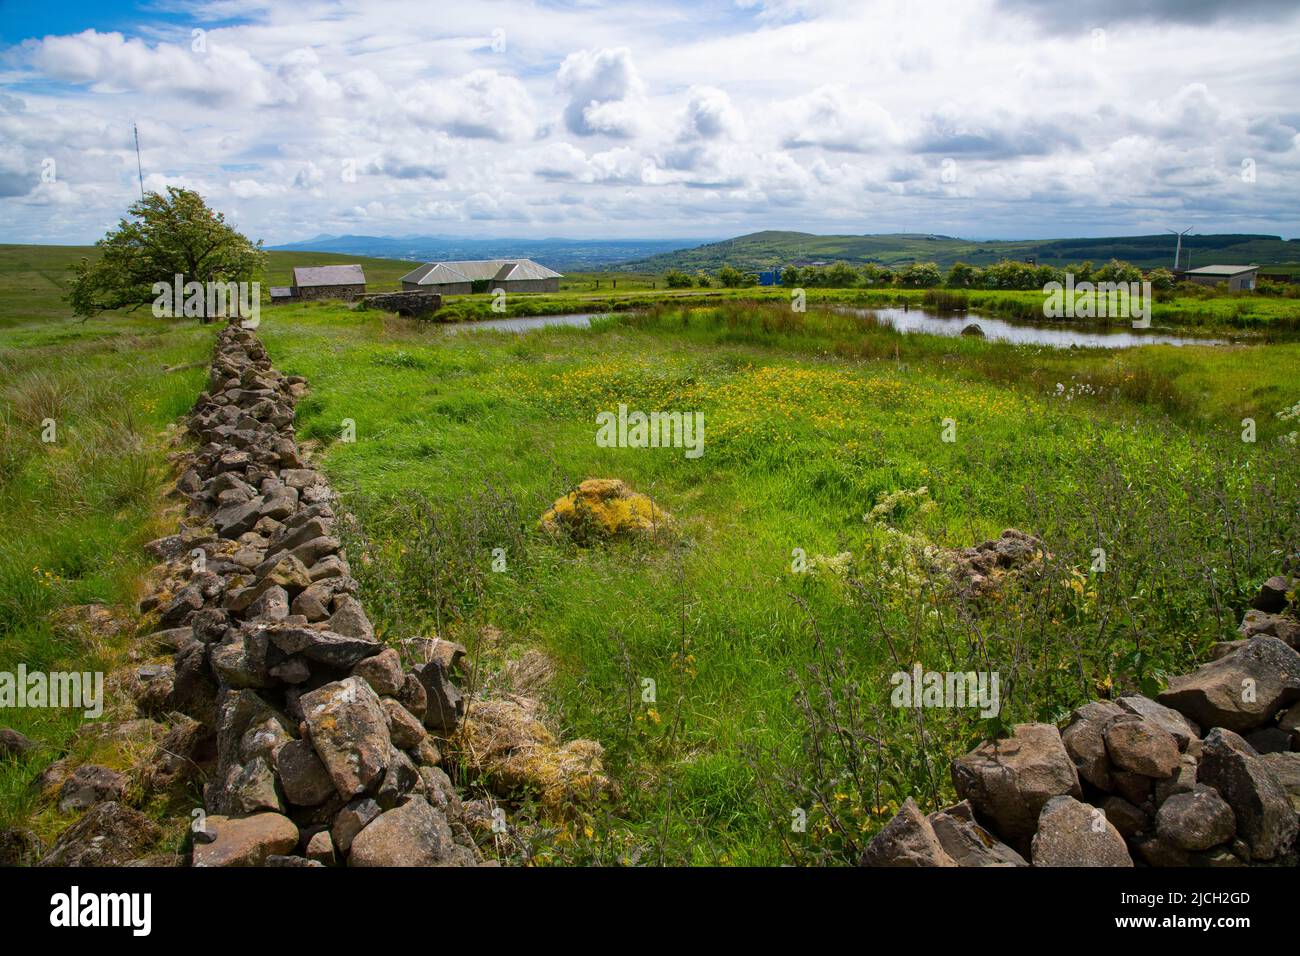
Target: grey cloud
1273 135
16 184
1071 15
1000 138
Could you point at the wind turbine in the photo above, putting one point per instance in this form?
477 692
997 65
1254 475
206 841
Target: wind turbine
1178 252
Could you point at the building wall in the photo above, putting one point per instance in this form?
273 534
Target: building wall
444 288
465 288
527 285
1235 284
345 292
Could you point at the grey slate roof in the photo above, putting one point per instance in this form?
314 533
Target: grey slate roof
1220 270
478 270
305 276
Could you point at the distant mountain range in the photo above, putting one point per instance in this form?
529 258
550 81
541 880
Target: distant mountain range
774 249
563 255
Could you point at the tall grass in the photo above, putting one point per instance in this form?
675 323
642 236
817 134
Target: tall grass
811 419
74 510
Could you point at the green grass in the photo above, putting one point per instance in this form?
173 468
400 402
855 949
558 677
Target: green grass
811 421
772 687
74 512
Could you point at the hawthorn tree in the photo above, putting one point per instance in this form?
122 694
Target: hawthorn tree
732 278
166 236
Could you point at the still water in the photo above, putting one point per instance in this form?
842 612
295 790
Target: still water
1059 335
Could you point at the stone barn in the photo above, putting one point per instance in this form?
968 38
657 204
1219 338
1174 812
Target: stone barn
1238 278
328 282
481 275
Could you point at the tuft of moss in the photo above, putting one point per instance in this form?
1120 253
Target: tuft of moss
605 508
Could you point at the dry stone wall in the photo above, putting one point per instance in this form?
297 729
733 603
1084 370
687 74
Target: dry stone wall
1208 774
324 742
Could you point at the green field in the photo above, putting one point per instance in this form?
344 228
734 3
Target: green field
823 434
464 439
35 278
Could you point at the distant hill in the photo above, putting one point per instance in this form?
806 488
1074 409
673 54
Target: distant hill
563 255
771 249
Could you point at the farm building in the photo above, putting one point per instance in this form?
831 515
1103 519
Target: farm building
1238 278
328 282
481 275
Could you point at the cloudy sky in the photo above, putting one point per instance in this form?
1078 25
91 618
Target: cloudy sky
980 118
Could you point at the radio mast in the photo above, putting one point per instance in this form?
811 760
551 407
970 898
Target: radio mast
138 167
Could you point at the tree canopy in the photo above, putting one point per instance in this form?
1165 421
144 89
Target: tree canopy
165 236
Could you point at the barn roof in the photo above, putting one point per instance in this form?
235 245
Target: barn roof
328 275
478 270
1220 270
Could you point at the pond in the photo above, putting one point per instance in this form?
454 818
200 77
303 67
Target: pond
526 322
1058 335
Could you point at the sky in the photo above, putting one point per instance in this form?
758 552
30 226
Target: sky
655 119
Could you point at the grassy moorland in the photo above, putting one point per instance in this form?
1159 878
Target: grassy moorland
825 435
74 511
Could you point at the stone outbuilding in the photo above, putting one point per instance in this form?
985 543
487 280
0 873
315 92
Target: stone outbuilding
1237 278
328 282
482 275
